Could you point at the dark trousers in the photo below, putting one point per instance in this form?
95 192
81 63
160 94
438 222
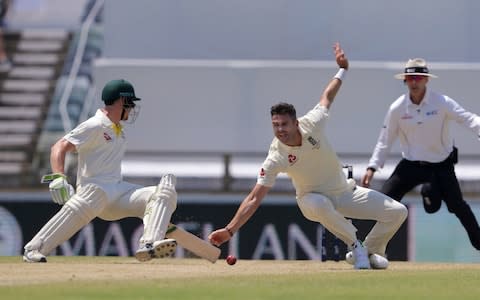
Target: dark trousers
443 180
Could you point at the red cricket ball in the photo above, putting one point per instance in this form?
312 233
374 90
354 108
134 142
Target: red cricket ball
231 260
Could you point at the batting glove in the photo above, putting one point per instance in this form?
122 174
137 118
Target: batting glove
61 190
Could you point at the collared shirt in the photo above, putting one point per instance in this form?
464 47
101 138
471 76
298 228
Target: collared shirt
100 150
313 166
423 130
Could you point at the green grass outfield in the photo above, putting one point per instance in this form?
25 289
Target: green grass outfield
125 278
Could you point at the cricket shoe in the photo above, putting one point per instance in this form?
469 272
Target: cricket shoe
159 249
360 255
33 256
377 262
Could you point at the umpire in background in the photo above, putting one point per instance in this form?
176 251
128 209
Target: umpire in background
420 118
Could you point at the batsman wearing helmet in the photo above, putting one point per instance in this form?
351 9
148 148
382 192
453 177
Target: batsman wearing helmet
100 143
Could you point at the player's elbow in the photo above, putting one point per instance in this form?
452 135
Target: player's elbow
62 146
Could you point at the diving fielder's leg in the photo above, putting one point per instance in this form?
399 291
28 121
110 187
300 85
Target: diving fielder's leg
372 205
319 208
159 210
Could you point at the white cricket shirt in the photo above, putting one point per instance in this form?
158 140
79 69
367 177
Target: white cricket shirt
100 150
423 129
313 166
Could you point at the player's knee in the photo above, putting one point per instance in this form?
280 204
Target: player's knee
396 212
402 212
309 215
167 193
166 190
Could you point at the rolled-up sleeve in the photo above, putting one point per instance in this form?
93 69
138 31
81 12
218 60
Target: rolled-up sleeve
388 135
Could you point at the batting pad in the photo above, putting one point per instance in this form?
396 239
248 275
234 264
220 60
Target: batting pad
61 227
159 210
72 217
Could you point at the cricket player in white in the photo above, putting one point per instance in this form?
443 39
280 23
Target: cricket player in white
100 143
300 149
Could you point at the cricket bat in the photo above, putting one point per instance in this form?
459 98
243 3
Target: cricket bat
193 243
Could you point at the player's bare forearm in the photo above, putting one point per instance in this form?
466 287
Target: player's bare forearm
248 207
330 92
245 211
57 155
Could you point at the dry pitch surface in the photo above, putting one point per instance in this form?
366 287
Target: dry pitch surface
67 269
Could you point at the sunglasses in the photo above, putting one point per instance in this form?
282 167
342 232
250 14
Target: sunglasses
128 104
414 77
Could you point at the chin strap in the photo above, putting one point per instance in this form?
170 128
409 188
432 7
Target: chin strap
123 114
132 115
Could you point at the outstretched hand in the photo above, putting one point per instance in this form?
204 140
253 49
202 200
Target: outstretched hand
340 57
219 237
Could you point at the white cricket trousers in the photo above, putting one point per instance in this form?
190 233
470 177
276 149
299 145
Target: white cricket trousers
357 203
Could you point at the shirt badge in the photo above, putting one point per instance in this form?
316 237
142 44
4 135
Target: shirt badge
107 137
314 142
292 159
262 172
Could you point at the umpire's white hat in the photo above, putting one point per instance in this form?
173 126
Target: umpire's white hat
415 66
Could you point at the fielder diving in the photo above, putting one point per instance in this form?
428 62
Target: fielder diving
324 194
100 143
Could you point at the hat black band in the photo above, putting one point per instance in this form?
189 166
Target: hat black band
417 70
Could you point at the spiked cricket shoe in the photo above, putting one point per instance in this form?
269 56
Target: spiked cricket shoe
377 262
33 256
361 256
159 249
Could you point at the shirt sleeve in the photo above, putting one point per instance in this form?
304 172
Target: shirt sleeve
388 135
462 116
316 117
269 171
83 136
